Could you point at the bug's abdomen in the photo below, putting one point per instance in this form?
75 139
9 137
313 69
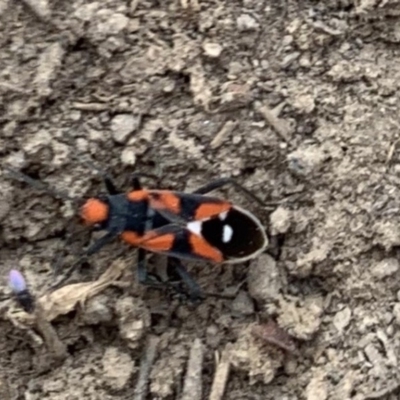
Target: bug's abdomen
238 234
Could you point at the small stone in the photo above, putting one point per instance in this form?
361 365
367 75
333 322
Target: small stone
304 161
128 156
385 268
15 160
242 305
61 153
212 50
133 320
111 23
304 103
48 64
280 221
6 199
372 353
97 310
37 142
122 125
317 388
396 313
118 368
263 280
342 319
246 23
301 322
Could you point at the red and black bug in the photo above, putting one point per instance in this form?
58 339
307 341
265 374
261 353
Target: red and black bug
180 225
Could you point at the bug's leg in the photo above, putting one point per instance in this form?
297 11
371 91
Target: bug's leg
38 185
195 292
229 181
136 182
135 179
142 273
58 264
100 243
110 186
106 177
94 248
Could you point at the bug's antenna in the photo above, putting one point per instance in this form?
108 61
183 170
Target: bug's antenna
38 185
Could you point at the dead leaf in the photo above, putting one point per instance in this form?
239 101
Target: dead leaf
65 299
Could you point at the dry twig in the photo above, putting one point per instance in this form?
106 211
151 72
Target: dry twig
96 107
192 387
280 126
54 344
220 377
379 394
273 334
4 389
145 368
226 129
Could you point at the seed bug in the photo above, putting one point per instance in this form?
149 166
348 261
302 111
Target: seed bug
182 226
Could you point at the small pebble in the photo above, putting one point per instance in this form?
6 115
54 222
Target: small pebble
128 156
385 268
212 50
118 367
396 313
242 305
122 125
342 319
317 388
280 221
133 320
246 23
97 310
263 279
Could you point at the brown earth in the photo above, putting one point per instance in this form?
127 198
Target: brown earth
299 101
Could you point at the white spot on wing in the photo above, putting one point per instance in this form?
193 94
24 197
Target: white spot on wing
195 227
223 215
227 234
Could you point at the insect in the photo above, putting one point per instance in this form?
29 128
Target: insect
180 225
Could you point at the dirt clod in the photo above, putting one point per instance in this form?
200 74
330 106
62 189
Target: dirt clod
385 268
263 279
261 362
317 389
133 320
122 125
301 322
280 221
342 319
242 304
118 367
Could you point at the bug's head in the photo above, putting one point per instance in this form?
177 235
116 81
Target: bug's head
94 212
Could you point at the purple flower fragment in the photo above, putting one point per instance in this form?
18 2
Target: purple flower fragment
17 283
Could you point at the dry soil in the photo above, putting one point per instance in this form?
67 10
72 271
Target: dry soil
297 100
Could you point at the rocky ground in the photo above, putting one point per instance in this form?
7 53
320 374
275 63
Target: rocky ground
298 101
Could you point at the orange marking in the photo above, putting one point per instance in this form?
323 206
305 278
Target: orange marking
201 248
164 199
138 195
207 210
94 211
157 243
131 237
